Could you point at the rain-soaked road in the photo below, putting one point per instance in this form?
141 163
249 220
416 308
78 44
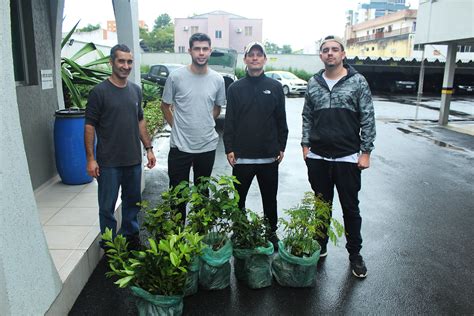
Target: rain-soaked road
417 204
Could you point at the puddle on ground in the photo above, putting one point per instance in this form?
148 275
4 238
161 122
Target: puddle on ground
436 142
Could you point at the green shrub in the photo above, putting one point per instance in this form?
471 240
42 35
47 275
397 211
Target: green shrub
154 117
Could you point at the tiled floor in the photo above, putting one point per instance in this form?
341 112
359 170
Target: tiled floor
69 215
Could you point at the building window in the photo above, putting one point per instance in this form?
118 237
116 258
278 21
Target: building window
248 31
218 34
418 47
181 49
373 48
23 48
194 29
464 49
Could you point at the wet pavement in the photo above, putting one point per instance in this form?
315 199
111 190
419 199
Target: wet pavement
417 204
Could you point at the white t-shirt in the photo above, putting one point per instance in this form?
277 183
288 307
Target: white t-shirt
193 97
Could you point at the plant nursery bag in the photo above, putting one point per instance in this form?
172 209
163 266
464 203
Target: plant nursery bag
192 279
253 266
293 271
163 305
214 272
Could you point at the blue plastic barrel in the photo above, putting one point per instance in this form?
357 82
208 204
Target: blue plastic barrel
69 147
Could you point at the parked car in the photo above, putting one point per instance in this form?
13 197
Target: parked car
224 61
291 84
464 88
159 73
402 86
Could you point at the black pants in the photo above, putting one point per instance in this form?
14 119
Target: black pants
267 177
323 176
179 166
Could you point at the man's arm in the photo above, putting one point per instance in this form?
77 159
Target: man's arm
145 138
167 113
307 121
282 125
367 125
92 166
228 136
216 111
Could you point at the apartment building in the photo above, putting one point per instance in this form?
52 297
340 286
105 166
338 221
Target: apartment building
386 36
225 29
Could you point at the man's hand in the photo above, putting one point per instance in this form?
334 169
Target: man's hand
305 152
280 157
231 158
151 159
364 161
93 168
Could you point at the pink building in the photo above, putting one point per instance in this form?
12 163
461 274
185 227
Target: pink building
225 29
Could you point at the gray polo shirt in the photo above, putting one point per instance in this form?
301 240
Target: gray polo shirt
193 97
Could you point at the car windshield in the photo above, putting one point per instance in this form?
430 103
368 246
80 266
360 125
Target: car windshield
221 57
288 75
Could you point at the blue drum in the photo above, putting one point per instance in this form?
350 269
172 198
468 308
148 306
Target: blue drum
69 147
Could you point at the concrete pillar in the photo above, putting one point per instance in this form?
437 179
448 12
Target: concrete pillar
126 19
56 14
29 282
448 78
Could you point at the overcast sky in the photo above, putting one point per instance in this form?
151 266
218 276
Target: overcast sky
295 22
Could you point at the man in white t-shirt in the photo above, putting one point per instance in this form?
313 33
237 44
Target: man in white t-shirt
196 93
338 136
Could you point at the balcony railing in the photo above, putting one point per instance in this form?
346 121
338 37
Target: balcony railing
376 36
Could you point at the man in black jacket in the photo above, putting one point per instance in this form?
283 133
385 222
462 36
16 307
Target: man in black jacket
256 132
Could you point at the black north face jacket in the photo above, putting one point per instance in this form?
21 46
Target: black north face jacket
255 120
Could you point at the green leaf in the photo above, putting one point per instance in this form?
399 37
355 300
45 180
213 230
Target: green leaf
174 259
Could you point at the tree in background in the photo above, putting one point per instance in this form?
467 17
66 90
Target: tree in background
161 38
272 48
89 28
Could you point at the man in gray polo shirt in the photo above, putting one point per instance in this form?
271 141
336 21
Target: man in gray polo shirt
197 94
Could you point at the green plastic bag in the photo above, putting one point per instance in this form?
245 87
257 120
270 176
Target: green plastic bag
192 280
214 272
294 271
253 266
149 304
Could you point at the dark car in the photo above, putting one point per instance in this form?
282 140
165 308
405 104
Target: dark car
159 73
402 86
464 88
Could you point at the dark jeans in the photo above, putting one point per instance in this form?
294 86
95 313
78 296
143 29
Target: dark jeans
323 176
179 166
110 179
267 177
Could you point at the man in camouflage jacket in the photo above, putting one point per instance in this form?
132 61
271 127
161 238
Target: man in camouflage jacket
338 136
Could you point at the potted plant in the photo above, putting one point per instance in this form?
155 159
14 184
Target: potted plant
252 249
69 123
298 253
165 219
212 202
157 274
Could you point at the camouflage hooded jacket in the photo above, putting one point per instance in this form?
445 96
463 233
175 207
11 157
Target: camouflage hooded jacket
340 122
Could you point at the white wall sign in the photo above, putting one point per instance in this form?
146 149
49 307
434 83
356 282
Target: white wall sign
47 79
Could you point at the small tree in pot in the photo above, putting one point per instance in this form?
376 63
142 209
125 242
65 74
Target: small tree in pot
212 202
298 253
252 249
157 275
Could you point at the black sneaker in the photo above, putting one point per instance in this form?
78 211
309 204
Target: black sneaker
324 251
274 240
358 266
